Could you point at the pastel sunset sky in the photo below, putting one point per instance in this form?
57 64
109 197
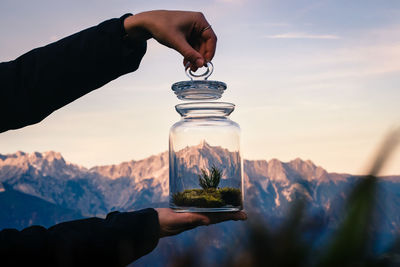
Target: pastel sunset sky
317 80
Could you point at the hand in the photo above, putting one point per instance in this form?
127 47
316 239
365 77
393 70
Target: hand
173 223
180 30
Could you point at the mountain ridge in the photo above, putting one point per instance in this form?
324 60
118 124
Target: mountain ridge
270 186
118 185
155 166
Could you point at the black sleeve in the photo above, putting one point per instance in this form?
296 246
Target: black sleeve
115 241
47 78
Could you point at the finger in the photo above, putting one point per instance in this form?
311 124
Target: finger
187 51
202 51
196 46
203 38
187 64
196 219
212 218
226 216
209 44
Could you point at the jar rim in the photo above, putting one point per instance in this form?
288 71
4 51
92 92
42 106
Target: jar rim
205 109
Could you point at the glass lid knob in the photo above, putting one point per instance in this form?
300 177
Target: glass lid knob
198 87
203 76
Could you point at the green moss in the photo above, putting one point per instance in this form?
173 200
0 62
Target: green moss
231 195
208 198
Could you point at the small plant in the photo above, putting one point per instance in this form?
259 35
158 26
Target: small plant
209 196
210 179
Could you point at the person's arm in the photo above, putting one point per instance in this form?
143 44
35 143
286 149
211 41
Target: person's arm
47 78
115 241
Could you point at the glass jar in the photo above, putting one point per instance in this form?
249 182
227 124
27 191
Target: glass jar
205 164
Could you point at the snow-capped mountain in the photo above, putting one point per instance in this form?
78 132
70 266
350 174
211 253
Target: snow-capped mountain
188 162
39 164
270 186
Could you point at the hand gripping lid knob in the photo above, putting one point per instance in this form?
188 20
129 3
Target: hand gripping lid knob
198 87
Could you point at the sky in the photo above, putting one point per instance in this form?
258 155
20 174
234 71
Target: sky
317 80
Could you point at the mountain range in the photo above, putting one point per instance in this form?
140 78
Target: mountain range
43 188
269 185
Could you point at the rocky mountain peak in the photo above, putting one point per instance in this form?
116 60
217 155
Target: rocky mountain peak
20 154
137 170
203 144
276 171
32 158
308 170
48 163
298 164
52 155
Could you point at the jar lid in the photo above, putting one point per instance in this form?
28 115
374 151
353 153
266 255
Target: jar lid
199 88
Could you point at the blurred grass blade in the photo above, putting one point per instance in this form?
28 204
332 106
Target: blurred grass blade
351 243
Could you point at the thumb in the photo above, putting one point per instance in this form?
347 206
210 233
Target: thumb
189 53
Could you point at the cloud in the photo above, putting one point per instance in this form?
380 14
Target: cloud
353 62
302 35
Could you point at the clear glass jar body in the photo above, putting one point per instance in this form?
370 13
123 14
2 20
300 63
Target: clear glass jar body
205 163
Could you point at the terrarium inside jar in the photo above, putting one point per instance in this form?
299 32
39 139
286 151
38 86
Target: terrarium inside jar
205 165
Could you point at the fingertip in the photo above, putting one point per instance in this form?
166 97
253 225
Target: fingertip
199 62
206 221
208 56
240 216
193 68
189 65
